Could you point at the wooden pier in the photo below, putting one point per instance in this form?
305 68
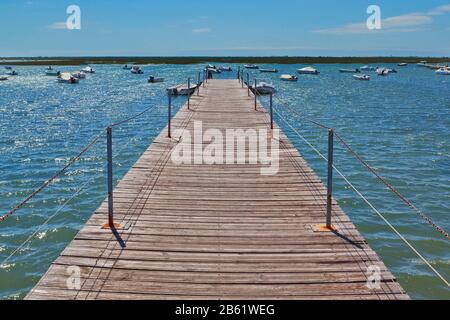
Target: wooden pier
218 231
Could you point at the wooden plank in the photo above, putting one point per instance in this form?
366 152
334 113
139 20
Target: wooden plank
218 231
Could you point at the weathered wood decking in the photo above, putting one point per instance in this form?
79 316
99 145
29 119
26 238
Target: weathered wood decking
218 231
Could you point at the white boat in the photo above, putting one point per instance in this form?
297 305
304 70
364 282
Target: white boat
153 79
67 77
349 71
52 72
361 77
368 68
263 88
127 67
79 75
443 72
136 70
403 64
382 71
213 70
88 70
3 78
288 77
12 73
228 69
251 66
182 90
422 64
308 70
49 68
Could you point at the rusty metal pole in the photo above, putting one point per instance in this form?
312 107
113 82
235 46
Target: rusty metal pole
169 116
109 154
330 177
189 95
271 111
248 84
255 91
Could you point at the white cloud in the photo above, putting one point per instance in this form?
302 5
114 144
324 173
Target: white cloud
440 10
58 26
201 30
403 23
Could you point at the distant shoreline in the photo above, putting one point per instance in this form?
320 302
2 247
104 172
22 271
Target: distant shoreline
68 61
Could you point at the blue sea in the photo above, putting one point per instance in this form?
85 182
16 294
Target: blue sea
400 124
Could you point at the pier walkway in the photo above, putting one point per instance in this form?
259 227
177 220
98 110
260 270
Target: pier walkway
218 231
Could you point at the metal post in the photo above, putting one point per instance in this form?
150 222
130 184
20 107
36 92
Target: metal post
271 111
248 84
204 78
189 96
242 79
255 91
330 177
169 116
198 84
110 177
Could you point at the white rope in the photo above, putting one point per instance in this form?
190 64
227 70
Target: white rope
368 203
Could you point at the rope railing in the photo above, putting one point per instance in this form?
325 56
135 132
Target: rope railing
84 150
332 167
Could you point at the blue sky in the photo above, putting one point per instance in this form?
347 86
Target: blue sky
225 28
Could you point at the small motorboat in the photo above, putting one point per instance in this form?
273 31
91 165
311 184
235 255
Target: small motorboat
127 67
263 88
363 77
153 79
51 72
391 70
368 68
182 90
422 64
67 77
443 71
288 77
88 70
49 68
213 70
3 78
251 66
383 72
268 70
136 70
12 73
8 68
79 75
403 64
308 70
226 69
349 71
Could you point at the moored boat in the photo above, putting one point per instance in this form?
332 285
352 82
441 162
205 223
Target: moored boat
308 70
127 67
228 69
67 77
153 79
251 66
288 77
51 72
136 70
443 71
88 70
363 77
368 68
382 71
263 88
8 68
422 64
12 73
403 64
79 75
182 90
3 78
